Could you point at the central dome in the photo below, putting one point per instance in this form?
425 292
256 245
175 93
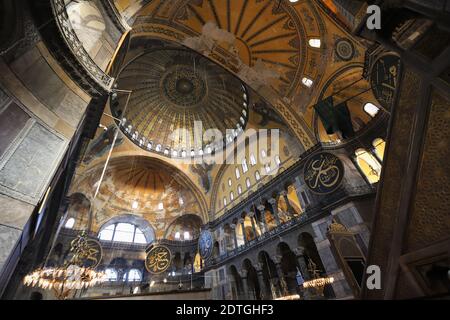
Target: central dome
173 92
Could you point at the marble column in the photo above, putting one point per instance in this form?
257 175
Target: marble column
280 274
303 265
262 210
251 215
233 227
273 203
265 295
243 275
241 222
291 212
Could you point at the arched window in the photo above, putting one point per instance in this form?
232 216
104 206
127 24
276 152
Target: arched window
239 189
231 196
247 182
267 167
70 223
134 275
224 202
238 173
122 232
230 183
252 159
369 165
379 146
257 175
111 274
244 165
371 109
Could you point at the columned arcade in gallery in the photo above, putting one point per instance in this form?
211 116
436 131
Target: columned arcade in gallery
224 149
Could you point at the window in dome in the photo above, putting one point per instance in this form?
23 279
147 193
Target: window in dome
230 183
231 196
70 223
315 43
224 202
263 153
277 160
244 165
238 173
257 176
267 167
379 145
248 183
369 165
239 189
252 159
307 82
371 109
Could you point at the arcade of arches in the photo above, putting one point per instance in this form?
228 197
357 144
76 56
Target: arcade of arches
267 149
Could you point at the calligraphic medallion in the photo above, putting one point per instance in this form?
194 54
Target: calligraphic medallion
205 244
158 259
86 252
384 79
323 173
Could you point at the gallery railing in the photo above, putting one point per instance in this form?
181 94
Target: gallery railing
76 46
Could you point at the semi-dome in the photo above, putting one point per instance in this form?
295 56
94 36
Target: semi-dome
175 91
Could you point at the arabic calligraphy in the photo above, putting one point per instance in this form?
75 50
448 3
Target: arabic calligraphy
158 259
86 252
323 173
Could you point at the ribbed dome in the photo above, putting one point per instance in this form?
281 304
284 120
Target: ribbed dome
176 89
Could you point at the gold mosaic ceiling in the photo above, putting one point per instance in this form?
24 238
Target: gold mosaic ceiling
174 90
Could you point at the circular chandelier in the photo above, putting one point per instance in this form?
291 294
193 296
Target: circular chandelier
71 278
78 273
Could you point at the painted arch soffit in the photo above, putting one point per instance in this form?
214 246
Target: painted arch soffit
263 43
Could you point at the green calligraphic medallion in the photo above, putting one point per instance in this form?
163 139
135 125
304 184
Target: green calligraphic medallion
158 259
86 252
323 173
384 79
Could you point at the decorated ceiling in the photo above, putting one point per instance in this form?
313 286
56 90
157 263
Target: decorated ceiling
140 186
254 64
177 95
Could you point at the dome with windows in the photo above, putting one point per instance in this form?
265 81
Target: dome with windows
176 96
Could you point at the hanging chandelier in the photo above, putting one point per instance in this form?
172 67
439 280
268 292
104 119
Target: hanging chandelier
78 273
72 277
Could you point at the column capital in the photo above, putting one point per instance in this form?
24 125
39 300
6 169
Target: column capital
299 251
277 259
258 267
283 193
261 207
272 201
241 220
233 226
243 273
251 214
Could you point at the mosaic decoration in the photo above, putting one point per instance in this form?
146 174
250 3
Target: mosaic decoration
323 173
205 244
158 259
